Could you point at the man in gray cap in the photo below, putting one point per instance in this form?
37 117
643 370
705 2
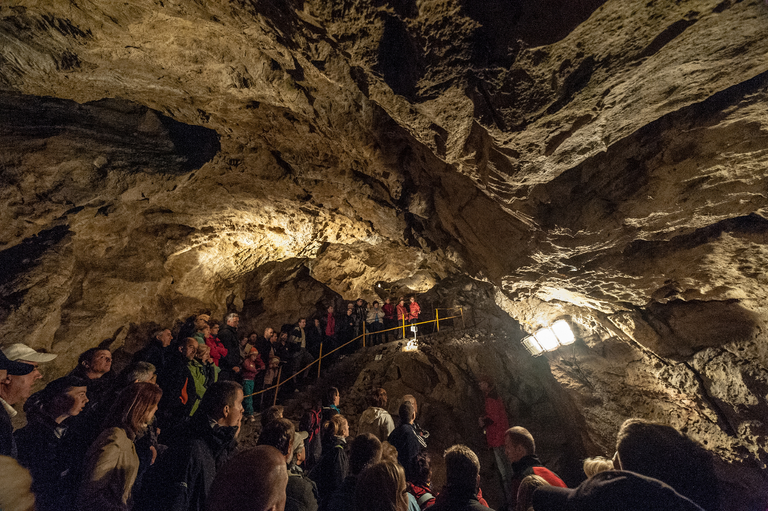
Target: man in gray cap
16 379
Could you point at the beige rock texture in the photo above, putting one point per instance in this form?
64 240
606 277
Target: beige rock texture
599 161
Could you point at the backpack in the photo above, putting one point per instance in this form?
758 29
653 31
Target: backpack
311 422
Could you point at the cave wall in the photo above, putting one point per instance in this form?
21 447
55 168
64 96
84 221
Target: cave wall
597 160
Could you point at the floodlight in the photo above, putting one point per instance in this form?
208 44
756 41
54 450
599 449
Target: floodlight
532 346
563 331
547 339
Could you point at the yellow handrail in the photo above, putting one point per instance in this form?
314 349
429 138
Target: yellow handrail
321 355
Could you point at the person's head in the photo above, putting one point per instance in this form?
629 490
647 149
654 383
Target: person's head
254 479
253 337
487 386
134 408
336 426
330 309
299 453
206 331
203 352
15 486
164 336
386 300
274 363
18 381
375 304
350 307
253 354
462 469
273 338
422 468
64 397
141 371
331 397
188 348
270 414
662 452
528 485
232 319
96 362
317 322
401 301
406 413
379 398
268 332
596 465
214 328
385 480
364 451
201 322
518 443
223 403
359 302
388 452
412 400
279 434
302 323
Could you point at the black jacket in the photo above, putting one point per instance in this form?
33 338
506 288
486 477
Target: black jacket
178 394
181 479
406 441
301 493
449 500
45 449
330 471
228 337
343 499
155 354
7 443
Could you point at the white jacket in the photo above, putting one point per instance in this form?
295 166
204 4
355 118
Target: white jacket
376 421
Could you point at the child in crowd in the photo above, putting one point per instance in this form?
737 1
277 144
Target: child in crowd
251 367
270 378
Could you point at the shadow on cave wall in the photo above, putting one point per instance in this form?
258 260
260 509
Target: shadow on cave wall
130 136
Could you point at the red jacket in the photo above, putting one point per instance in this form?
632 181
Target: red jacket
402 312
251 368
217 349
496 423
423 494
389 311
415 310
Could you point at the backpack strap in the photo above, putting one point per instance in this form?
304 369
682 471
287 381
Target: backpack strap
424 498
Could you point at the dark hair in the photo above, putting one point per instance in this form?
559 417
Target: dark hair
58 387
521 436
365 450
330 396
279 434
218 395
421 468
214 322
662 452
88 355
270 414
406 412
132 406
461 468
379 398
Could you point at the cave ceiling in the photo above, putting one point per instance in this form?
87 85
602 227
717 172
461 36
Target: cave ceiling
162 156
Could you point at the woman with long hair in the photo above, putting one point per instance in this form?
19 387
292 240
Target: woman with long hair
111 463
333 467
386 481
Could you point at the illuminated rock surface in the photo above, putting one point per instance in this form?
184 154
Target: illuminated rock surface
603 161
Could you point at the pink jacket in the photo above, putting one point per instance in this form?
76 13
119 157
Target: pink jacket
217 349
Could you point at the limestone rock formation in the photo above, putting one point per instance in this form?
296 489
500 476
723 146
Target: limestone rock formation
602 161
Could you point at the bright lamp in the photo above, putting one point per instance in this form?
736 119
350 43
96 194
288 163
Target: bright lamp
563 332
547 339
532 346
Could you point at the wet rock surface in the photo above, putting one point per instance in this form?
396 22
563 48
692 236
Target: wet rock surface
600 161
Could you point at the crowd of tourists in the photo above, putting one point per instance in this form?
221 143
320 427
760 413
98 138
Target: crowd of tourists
163 435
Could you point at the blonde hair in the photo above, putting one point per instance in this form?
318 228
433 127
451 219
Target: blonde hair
596 465
15 493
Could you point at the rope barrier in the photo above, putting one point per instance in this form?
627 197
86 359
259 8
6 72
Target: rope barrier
324 355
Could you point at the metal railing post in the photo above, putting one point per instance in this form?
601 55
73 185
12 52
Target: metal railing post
437 319
403 326
319 360
277 389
